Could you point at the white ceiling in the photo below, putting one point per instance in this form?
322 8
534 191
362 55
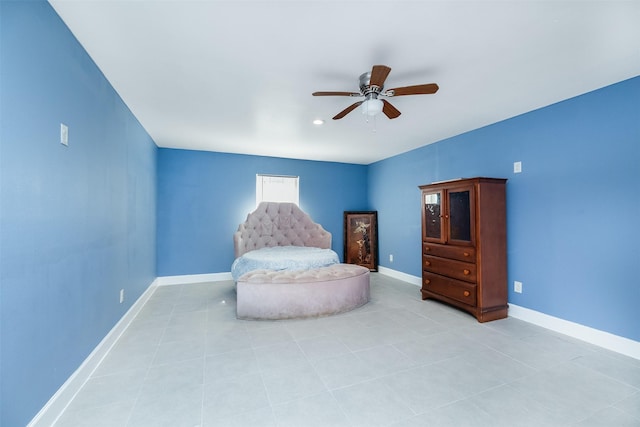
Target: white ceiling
237 76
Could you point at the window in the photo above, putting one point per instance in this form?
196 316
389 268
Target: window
277 188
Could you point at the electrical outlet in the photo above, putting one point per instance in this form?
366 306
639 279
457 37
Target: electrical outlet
121 296
391 258
517 287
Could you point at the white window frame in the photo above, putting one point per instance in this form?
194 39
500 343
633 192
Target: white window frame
277 188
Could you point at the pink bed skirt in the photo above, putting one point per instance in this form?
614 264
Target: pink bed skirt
273 295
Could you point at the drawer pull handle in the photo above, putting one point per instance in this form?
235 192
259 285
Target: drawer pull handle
466 293
427 281
427 248
466 254
466 272
427 263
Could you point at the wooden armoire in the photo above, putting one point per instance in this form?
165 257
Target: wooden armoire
464 245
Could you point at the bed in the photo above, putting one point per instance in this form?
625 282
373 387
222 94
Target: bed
280 236
285 268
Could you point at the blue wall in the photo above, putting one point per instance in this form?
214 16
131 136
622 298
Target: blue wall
573 214
203 196
77 223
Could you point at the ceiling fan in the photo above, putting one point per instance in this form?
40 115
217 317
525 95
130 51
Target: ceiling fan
371 87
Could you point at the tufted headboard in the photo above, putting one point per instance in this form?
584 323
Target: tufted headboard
279 224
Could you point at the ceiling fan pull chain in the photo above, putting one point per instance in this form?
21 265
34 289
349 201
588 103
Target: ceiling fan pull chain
374 122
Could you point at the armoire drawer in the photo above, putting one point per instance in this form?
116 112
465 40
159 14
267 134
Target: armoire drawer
449 267
461 253
455 289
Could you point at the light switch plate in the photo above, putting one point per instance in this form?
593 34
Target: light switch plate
64 134
517 167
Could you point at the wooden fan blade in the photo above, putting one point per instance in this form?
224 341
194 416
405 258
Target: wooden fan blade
427 89
336 94
379 74
347 110
389 110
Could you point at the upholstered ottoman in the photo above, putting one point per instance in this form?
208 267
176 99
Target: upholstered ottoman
272 295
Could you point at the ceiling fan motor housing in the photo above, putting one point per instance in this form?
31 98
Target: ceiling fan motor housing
370 92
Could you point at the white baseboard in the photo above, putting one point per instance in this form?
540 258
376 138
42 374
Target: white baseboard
193 278
414 280
50 412
593 336
597 337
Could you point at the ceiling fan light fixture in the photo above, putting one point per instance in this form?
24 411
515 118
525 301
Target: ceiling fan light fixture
372 107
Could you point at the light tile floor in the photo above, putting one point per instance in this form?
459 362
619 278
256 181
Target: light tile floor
187 361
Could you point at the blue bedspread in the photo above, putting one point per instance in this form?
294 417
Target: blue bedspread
283 258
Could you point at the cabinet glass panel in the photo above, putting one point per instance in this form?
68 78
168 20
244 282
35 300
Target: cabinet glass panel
460 215
432 218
